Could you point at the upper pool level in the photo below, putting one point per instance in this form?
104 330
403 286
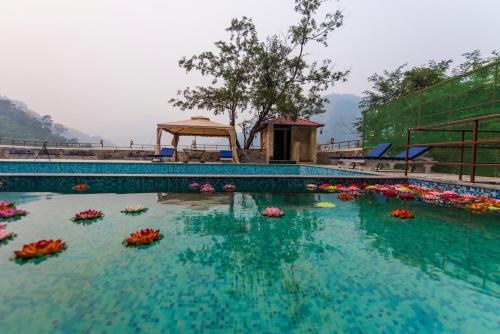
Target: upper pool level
147 168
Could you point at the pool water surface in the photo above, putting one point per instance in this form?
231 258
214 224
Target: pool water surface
223 268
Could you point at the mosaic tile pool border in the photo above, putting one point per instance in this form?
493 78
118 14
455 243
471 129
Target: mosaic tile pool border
264 183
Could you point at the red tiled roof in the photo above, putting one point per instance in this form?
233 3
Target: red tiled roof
285 120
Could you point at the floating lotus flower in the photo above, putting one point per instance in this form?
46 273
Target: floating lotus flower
390 193
345 197
81 187
323 186
332 189
324 205
407 196
477 207
6 204
143 237
229 187
207 188
87 215
4 234
311 187
135 208
403 214
273 212
12 213
40 248
194 186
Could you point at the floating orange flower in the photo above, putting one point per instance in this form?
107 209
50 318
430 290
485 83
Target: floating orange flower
477 207
401 213
345 197
40 248
143 237
81 187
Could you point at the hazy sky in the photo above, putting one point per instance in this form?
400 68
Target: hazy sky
108 67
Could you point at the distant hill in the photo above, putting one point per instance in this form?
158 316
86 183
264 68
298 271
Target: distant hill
17 121
341 111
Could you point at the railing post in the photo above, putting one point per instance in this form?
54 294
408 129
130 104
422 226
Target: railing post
407 150
474 151
462 156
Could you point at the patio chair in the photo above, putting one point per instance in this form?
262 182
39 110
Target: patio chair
377 152
226 155
413 154
166 152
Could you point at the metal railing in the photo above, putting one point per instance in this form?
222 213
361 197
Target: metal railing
357 143
101 145
462 144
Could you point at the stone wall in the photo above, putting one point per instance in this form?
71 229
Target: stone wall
246 156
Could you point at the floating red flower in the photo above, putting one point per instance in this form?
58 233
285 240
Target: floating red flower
401 213
143 237
81 187
324 186
345 197
6 205
87 215
229 187
390 193
40 248
407 196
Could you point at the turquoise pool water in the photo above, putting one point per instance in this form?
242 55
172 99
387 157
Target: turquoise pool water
222 268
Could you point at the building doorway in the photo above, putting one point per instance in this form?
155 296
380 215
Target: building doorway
282 142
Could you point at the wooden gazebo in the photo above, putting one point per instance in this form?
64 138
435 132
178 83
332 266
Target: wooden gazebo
197 126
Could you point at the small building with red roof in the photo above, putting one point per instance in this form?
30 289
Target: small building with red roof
289 141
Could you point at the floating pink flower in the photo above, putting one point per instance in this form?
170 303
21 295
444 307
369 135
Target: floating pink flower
4 234
12 212
87 215
311 187
194 186
207 188
229 187
273 212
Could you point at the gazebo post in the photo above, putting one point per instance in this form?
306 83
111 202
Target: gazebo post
158 140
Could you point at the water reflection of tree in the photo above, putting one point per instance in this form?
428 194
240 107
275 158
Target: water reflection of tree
452 241
251 251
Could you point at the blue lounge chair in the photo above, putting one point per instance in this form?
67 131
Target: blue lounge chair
413 154
377 152
226 155
166 152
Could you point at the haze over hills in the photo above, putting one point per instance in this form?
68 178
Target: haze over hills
341 111
17 121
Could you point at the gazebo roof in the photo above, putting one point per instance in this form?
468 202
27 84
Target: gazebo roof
197 126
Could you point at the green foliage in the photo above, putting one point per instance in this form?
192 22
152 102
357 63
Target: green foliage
392 85
264 79
469 95
15 123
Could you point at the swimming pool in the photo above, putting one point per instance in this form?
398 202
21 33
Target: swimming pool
162 177
223 268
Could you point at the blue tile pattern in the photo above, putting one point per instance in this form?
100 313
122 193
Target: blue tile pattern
166 168
223 268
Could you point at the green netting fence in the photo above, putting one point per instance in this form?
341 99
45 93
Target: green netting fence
473 94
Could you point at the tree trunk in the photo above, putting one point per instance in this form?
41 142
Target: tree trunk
232 122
